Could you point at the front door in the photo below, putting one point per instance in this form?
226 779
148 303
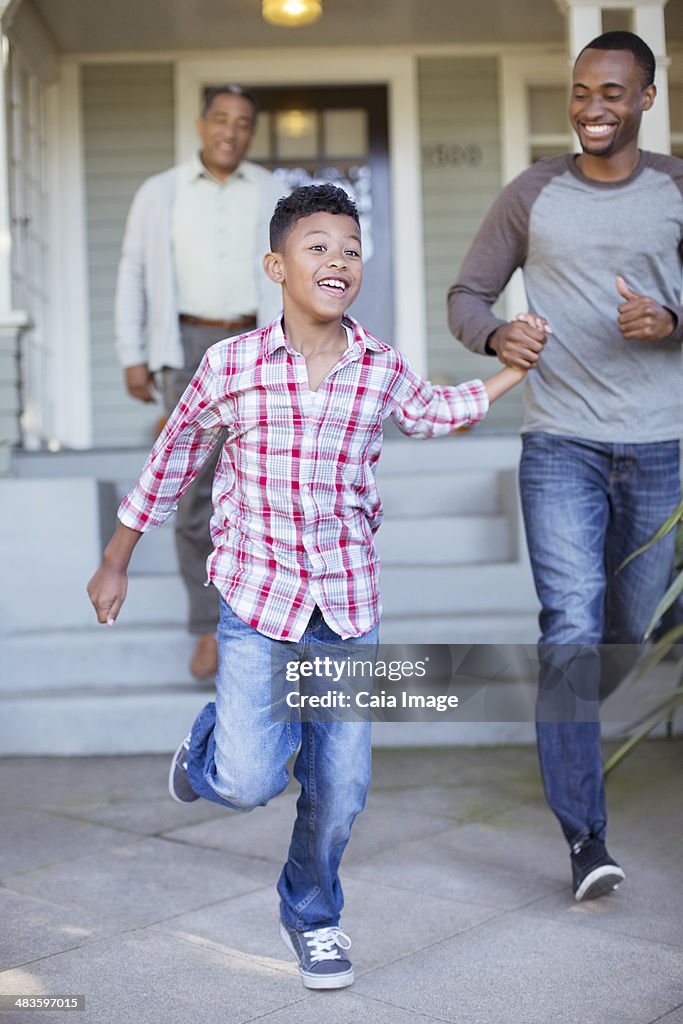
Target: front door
313 135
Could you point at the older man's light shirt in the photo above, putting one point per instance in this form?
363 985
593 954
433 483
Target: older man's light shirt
219 235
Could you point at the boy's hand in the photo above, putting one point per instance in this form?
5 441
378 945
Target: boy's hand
107 591
642 318
521 342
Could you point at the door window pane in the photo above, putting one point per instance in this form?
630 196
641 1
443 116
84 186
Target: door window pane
296 134
260 148
547 109
345 133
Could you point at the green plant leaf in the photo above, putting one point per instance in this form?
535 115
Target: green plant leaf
658 651
666 527
674 700
672 595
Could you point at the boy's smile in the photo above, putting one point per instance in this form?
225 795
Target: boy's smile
320 267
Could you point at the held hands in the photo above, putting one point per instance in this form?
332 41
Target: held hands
140 382
519 343
642 318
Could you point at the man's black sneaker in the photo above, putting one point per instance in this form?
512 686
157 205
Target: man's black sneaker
321 956
594 872
178 783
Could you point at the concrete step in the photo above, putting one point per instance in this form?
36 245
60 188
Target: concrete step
411 495
406 590
122 657
399 454
411 540
129 658
147 718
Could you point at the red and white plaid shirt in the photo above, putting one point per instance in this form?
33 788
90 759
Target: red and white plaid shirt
295 500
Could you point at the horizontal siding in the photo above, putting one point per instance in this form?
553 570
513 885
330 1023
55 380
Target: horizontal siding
128 135
458 102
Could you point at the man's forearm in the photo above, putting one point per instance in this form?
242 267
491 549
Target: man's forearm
470 319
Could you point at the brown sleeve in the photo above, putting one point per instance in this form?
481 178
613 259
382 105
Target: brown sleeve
499 248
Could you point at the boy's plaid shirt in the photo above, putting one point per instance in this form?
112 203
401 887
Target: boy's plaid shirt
295 501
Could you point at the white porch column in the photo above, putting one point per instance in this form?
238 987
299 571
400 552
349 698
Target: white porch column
648 23
11 321
584 22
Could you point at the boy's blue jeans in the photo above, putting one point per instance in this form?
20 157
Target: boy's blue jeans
587 506
239 752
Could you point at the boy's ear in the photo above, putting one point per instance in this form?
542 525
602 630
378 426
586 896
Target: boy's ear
272 264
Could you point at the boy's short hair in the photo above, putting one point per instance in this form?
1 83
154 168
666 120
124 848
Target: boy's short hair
303 202
642 54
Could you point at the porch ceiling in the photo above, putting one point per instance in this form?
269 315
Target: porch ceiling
102 26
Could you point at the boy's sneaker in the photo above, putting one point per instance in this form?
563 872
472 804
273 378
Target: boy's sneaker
321 957
178 783
593 870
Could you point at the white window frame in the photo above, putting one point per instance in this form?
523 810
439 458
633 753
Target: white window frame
334 67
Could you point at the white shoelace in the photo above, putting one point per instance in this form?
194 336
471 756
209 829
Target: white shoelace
325 943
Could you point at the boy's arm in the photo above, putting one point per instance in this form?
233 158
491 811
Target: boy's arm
107 588
422 409
182 448
503 381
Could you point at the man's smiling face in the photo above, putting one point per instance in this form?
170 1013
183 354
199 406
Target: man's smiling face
607 102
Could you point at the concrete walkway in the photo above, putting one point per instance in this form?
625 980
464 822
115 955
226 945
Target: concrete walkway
456 883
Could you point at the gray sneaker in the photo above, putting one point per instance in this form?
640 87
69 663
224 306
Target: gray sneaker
320 954
178 783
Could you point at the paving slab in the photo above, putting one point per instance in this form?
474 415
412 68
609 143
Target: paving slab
504 970
250 923
147 976
146 881
53 783
32 840
647 905
347 1007
457 897
472 864
33 928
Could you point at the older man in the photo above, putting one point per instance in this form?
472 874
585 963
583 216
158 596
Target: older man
190 274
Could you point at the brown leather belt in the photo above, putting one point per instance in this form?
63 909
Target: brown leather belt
243 323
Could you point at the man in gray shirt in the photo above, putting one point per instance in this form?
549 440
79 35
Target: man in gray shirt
190 274
600 238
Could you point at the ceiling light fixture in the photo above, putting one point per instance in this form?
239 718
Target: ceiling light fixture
292 13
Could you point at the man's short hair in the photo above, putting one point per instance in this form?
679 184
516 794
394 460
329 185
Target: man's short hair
230 89
642 54
303 202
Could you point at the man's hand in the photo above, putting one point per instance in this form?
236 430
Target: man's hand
107 591
140 382
642 318
520 343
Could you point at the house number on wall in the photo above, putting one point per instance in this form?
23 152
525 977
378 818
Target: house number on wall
444 154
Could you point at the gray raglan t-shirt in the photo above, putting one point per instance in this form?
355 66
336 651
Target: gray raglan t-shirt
572 235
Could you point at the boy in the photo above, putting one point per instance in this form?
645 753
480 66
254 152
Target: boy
295 507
